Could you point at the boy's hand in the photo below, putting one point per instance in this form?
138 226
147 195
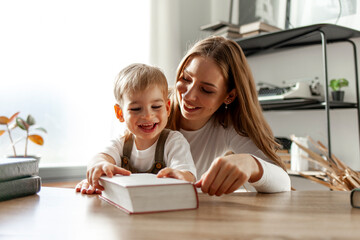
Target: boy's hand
173 173
85 188
103 168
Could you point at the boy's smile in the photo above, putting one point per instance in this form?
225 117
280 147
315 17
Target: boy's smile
145 114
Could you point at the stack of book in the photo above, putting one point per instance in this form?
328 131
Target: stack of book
224 29
255 28
19 177
233 31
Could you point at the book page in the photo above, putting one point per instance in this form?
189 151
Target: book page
142 179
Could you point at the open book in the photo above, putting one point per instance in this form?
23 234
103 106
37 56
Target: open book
145 193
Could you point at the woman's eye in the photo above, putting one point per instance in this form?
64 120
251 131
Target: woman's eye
135 109
207 91
157 106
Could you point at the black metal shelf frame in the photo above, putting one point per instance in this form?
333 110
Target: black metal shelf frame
308 35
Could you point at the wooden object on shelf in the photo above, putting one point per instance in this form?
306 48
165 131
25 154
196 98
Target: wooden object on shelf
337 175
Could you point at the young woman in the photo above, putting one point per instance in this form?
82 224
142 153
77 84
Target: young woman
215 106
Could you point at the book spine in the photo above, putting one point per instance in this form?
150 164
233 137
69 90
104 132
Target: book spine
19 187
19 169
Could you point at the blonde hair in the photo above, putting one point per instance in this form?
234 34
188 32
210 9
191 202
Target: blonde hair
244 113
138 77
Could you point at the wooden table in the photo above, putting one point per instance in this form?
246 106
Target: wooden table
58 213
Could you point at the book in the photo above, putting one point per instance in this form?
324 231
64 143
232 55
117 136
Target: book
257 27
14 168
19 187
145 193
217 25
355 198
228 32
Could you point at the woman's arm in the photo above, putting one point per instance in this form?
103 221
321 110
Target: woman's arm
228 173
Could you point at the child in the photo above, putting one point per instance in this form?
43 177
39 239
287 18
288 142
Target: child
142 95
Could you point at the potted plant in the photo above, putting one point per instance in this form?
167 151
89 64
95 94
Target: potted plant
336 85
13 122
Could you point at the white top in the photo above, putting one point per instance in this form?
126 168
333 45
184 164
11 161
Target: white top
177 154
212 141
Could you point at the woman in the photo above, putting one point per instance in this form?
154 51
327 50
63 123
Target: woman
215 107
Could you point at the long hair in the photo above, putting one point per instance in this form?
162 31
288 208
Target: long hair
244 113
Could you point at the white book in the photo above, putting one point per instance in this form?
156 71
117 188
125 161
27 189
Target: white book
145 193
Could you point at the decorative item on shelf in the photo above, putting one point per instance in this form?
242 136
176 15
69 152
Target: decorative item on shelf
336 85
19 173
334 174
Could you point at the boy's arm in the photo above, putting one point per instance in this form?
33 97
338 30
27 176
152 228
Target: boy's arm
179 174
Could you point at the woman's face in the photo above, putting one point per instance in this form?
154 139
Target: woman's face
200 91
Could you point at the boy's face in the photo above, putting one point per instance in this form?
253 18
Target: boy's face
145 114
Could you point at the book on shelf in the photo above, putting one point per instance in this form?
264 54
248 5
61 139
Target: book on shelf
254 28
19 187
228 32
14 168
217 26
355 198
145 193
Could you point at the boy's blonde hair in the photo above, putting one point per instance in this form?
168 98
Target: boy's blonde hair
138 77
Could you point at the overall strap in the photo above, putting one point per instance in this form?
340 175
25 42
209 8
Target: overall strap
159 152
127 148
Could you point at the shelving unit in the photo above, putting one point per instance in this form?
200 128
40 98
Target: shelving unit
319 34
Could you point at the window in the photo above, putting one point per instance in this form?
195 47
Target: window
341 12
58 61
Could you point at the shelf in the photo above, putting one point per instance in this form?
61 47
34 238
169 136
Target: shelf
302 104
268 42
318 34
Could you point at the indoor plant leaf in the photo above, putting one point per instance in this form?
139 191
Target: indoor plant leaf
30 120
22 124
3 120
343 82
2 132
13 117
334 84
41 129
36 139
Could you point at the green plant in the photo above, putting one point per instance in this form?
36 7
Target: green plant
24 125
337 84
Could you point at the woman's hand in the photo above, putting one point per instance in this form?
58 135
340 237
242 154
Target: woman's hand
173 173
85 188
228 173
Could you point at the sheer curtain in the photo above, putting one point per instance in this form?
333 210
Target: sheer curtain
58 61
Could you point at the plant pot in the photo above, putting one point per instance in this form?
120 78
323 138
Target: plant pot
338 96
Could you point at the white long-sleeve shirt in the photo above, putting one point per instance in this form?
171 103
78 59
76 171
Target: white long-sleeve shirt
212 141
